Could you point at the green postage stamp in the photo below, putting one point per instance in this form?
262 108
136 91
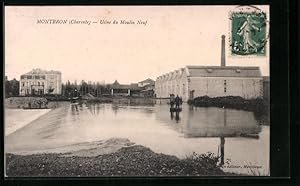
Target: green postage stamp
248 31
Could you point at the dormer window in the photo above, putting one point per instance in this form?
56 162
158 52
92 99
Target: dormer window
238 70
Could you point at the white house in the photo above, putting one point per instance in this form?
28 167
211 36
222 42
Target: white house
40 82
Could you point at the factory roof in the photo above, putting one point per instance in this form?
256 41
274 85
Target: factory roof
222 71
215 71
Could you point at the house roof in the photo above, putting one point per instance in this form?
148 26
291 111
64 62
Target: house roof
40 71
227 71
116 83
132 86
147 81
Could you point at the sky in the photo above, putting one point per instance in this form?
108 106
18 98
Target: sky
173 37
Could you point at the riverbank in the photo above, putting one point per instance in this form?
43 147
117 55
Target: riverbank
32 102
259 106
52 101
131 160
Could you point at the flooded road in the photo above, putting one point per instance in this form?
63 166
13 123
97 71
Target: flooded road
199 130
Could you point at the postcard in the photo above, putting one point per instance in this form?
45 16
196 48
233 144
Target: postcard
130 91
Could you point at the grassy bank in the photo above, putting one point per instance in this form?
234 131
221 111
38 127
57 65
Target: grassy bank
259 106
128 161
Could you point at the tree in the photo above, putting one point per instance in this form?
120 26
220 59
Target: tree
12 88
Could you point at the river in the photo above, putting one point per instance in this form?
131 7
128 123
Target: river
224 132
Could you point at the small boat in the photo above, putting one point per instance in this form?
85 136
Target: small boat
175 109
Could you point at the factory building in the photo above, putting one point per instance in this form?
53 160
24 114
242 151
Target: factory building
213 81
39 82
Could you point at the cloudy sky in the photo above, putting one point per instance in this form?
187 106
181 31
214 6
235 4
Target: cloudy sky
174 36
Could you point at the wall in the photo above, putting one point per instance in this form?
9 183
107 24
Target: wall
177 85
182 85
215 87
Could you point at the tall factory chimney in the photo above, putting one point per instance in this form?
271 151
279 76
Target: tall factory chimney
223 62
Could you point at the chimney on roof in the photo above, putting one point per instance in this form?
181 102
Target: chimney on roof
223 62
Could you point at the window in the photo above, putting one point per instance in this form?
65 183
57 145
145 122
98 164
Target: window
23 84
39 84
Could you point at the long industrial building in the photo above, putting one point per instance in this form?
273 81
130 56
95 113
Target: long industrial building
39 82
213 81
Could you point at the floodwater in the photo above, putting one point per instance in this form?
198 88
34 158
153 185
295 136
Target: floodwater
233 134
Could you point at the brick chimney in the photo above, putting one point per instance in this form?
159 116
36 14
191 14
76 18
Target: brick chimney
223 62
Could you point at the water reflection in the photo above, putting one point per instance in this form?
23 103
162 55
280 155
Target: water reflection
93 108
115 108
177 117
211 122
172 115
199 130
192 122
74 108
222 146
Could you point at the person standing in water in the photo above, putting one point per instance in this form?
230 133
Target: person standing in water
172 100
177 101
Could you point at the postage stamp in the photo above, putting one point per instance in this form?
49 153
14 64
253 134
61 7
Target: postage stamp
248 31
